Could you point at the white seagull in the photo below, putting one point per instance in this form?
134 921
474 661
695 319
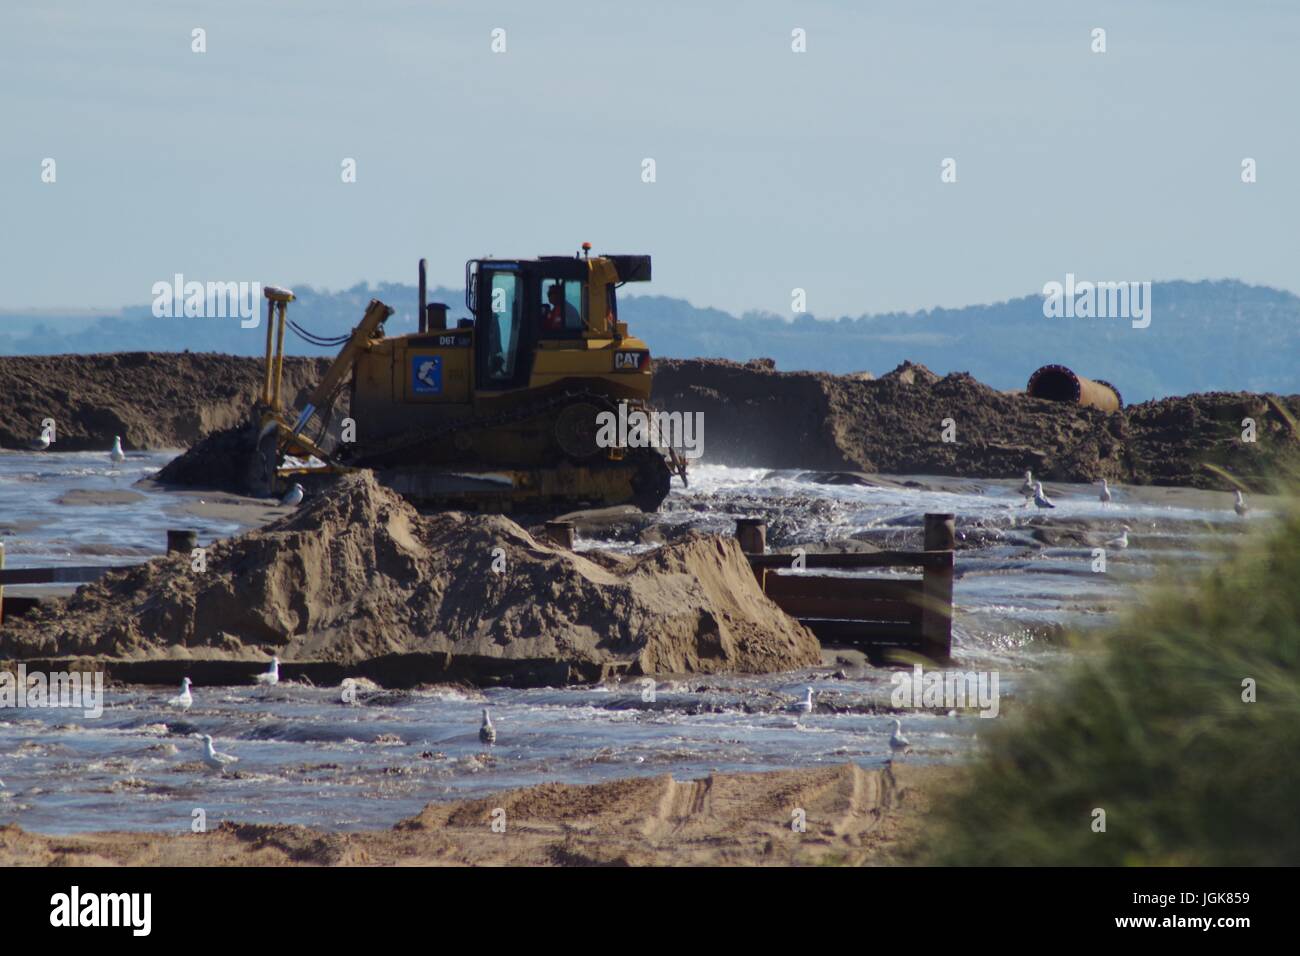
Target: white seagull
1240 505
1121 542
1027 489
215 760
487 733
117 454
896 740
271 676
293 496
184 700
1041 499
1104 497
806 705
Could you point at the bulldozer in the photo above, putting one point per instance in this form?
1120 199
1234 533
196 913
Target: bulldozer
499 411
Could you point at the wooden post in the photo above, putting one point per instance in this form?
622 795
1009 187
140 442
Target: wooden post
936 606
182 540
560 533
752 535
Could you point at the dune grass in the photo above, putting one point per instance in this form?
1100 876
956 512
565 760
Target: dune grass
1150 726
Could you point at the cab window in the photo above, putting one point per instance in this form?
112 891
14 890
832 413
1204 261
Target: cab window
505 304
562 306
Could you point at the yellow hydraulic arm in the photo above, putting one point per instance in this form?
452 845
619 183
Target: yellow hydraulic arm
277 300
375 315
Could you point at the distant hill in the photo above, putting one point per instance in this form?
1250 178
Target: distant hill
1204 336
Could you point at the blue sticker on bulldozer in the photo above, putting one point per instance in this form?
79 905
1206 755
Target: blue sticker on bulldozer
426 375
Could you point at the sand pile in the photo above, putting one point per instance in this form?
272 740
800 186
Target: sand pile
755 416
150 399
1211 425
893 424
911 373
356 573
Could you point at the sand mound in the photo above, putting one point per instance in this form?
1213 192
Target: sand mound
150 399
357 573
893 425
755 416
910 373
1210 426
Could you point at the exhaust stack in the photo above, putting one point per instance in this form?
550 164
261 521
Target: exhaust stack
433 315
424 292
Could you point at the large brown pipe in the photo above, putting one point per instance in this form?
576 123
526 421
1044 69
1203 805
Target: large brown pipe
1058 384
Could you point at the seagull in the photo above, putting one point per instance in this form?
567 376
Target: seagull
271 676
896 740
293 496
1104 497
1240 505
117 454
215 760
1121 542
1027 489
487 733
184 700
1041 499
806 705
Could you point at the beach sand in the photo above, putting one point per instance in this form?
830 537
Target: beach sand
852 816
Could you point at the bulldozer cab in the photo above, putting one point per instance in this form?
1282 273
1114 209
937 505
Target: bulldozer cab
520 305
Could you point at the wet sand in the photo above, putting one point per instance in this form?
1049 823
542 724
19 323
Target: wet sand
852 816
247 512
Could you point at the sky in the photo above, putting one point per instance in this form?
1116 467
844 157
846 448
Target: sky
773 170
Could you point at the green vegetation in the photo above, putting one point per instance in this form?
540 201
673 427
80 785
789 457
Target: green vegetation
1152 728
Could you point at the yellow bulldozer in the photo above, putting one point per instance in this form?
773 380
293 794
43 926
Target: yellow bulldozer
500 411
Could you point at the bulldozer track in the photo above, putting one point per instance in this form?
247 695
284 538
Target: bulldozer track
415 438
652 470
